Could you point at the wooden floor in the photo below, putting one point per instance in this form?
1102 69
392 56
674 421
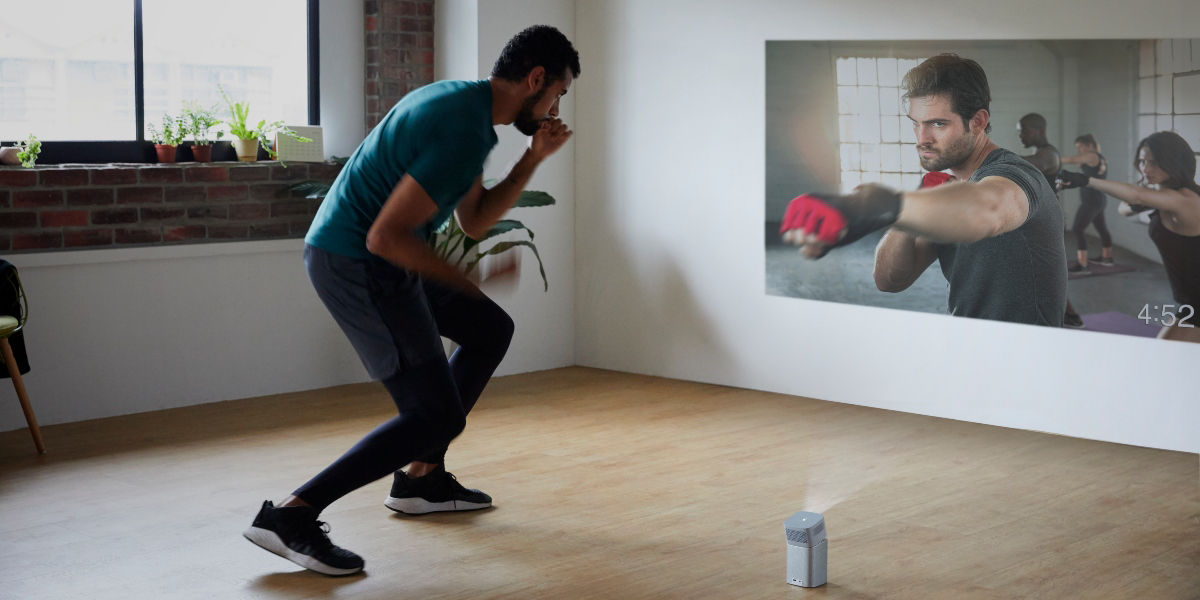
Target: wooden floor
607 485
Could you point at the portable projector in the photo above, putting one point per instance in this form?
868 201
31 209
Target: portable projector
808 550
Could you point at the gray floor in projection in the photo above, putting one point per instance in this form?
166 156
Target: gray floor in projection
844 275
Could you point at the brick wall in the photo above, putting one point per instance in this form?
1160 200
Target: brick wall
71 207
399 47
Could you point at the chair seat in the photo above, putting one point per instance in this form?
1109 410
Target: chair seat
8 325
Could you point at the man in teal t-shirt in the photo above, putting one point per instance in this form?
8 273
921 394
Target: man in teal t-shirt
368 258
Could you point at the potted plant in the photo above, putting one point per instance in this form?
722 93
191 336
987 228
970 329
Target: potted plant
249 139
450 242
30 149
199 123
167 136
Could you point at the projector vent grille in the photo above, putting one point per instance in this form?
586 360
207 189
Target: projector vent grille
819 529
797 536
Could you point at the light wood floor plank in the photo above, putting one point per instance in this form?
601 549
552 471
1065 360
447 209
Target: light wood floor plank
607 485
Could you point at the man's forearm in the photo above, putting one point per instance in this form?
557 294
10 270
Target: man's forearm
897 261
500 198
953 213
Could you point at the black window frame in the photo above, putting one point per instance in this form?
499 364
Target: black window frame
139 150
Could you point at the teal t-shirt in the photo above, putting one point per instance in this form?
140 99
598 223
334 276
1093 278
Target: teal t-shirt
440 134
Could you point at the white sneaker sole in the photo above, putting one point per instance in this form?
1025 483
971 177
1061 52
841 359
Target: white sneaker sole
268 540
420 506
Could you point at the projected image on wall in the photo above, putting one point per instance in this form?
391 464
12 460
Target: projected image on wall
1041 182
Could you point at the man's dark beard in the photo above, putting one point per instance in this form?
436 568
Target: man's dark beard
954 155
526 123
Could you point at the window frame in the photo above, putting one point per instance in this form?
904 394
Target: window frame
139 150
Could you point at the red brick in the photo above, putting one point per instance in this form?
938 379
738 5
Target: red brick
90 196
256 210
213 211
291 172
425 9
187 232
14 220
425 41
5 198
18 177
206 174
269 230
250 173
160 214
64 218
228 231
370 23
37 241
299 227
5 241
289 208
371 7
140 195
226 192
161 175
114 176
266 191
138 236
88 237
109 216
372 88
193 193
34 198
64 177
426 57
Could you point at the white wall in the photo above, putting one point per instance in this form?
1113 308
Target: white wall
670 258
121 331
545 333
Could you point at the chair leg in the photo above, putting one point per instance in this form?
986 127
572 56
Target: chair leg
15 373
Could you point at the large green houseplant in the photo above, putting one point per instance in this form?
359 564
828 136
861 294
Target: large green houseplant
450 242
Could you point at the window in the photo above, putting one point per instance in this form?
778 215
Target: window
875 137
1169 89
107 69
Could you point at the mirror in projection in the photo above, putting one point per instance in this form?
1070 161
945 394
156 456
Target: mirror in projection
1065 170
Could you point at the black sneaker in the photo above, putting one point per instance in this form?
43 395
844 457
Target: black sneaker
295 533
439 491
1072 320
1078 268
1100 260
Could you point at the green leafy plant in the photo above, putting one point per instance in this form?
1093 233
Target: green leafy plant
239 126
199 122
454 246
170 131
30 149
450 242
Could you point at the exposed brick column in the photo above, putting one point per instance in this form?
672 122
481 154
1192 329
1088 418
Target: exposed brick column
399 52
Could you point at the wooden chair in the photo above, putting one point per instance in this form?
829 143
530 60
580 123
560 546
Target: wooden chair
10 325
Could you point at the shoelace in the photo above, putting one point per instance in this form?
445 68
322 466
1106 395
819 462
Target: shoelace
452 481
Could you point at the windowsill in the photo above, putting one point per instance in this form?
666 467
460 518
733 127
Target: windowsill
114 255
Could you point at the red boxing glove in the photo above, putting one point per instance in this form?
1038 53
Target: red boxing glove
813 214
935 178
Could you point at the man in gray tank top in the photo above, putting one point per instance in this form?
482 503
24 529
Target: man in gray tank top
995 227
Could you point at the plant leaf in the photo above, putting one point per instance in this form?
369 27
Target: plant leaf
312 189
506 246
533 198
505 226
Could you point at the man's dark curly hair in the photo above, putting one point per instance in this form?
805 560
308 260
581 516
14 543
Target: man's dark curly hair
537 46
960 79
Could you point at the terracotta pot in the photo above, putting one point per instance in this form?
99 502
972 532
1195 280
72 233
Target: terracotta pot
247 150
202 153
166 154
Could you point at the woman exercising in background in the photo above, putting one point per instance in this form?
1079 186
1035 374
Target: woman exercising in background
1168 173
1091 204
